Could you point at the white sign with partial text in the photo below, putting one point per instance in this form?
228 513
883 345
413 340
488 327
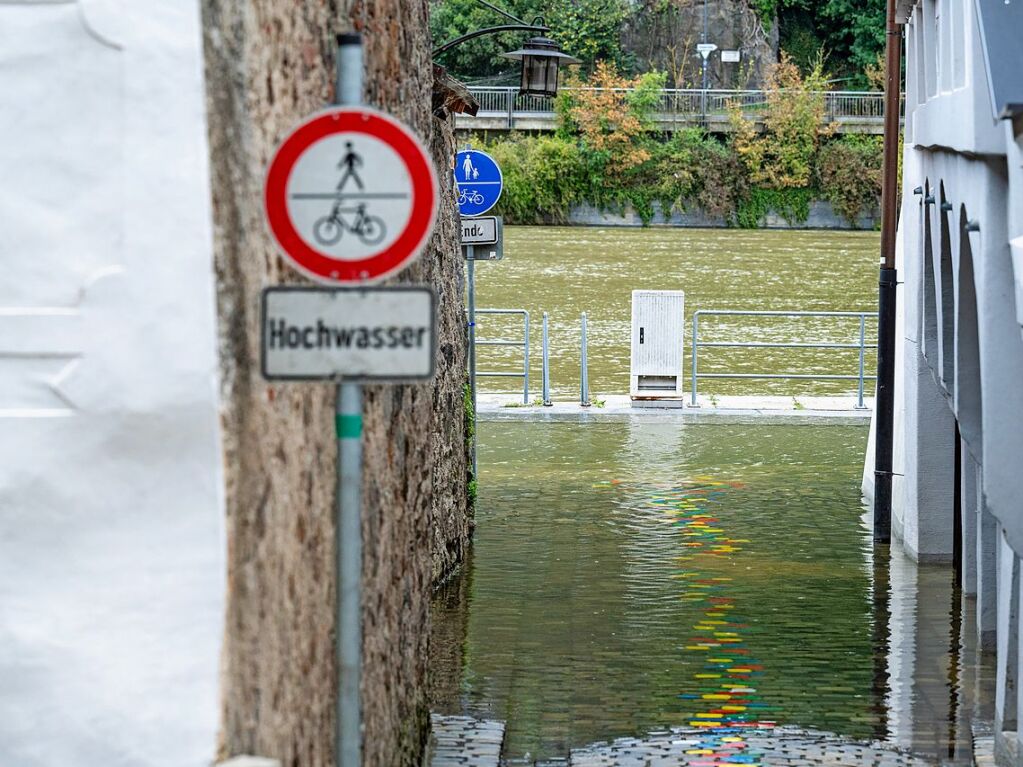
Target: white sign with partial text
480 231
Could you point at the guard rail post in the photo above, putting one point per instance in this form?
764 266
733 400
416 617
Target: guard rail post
546 371
525 359
584 378
863 346
696 343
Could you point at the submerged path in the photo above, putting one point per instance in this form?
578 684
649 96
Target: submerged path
783 746
728 720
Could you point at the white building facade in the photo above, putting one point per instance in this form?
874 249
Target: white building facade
112 561
958 490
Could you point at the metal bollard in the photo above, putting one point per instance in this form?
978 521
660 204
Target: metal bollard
696 343
584 378
863 346
525 359
546 366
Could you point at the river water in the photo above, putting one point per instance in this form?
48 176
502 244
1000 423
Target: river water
568 270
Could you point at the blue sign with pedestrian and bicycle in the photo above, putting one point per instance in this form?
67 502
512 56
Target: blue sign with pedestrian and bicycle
478 182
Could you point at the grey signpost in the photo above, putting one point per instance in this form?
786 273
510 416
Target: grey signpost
470 255
356 333
348 525
479 190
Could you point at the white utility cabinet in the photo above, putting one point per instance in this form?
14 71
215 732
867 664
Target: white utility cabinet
658 333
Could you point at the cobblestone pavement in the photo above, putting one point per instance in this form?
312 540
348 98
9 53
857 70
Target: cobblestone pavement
461 740
746 747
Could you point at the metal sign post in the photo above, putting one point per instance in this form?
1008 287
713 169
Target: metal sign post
348 525
479 184
351 197
470 256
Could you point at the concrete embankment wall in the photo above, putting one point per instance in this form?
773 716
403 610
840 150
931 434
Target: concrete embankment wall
822 216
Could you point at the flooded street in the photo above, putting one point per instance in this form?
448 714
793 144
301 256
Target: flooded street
643 573
568 270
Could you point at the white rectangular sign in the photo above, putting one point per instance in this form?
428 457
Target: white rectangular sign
731 57
479 231
350 334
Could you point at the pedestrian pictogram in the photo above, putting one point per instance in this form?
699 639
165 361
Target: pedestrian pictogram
478 182
350 164
351 195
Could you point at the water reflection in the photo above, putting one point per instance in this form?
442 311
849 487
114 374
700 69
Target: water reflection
639 574
939 681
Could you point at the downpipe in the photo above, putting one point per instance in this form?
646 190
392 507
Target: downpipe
885 406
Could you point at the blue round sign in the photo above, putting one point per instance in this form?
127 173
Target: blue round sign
478 182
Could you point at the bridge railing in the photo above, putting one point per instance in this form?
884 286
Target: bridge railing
685 102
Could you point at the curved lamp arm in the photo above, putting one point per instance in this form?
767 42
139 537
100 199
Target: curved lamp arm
523 27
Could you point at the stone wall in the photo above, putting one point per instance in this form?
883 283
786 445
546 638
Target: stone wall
821 216
664 35
268 65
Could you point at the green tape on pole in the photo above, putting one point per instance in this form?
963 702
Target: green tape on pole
348 426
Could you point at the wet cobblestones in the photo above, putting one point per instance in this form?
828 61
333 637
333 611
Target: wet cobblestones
461 741
781 746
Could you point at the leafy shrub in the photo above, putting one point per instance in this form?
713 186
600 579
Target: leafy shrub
611 114
849 174
781 156
543 178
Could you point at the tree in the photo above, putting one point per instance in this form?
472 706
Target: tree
857 32
586 29
781 157
611 113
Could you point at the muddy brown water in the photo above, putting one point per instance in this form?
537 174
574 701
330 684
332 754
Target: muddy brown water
569 270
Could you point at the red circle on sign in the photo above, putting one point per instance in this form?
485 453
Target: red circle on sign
399 253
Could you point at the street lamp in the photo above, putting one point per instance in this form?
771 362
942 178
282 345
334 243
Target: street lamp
541 57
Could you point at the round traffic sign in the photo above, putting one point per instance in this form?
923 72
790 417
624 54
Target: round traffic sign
351 195
478 182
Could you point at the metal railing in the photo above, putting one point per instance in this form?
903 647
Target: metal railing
584 366
524 344
861 345
838 105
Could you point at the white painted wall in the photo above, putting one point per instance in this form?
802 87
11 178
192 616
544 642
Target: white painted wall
952 139
111 507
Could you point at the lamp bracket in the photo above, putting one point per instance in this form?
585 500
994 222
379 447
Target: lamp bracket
538 29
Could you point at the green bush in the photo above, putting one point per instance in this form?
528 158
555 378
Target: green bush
848 175
543 178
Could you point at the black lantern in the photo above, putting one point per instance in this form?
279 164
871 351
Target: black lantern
540 58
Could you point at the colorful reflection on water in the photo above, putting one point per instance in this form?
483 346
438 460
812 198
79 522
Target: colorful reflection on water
644 573
723 694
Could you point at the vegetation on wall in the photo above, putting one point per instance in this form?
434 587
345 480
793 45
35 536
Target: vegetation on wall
607 153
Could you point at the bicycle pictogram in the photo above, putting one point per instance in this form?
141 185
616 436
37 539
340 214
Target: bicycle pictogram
329 229
467 196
